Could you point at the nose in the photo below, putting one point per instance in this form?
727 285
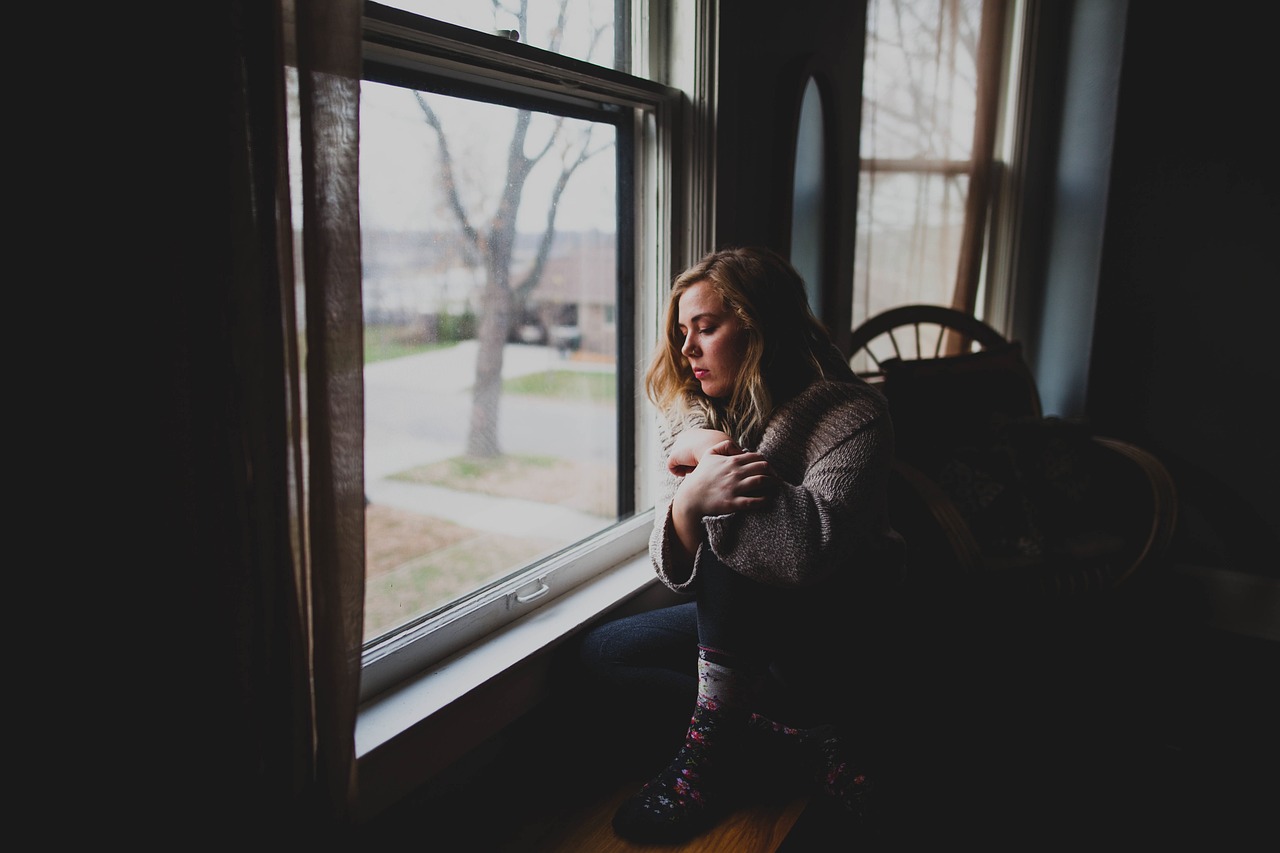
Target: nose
687 348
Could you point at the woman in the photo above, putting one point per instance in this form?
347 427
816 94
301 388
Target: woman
774 521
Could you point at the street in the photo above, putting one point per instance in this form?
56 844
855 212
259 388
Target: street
417 410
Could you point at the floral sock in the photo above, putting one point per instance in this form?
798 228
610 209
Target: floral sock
823 752
698 786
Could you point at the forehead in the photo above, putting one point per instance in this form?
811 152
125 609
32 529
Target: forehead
697 301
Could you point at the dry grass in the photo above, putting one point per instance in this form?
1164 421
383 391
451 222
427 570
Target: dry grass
414 562
584 486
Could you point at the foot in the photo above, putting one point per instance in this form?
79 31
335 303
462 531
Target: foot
693 793
841 779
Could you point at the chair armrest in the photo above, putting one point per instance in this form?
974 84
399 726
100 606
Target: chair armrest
928 498
1164 501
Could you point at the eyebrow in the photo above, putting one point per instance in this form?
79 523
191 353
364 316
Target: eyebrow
696 317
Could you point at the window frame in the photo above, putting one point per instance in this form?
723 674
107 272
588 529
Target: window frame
399 47
995 241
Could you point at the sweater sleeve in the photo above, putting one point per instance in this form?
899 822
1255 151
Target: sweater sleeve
662 539
833 449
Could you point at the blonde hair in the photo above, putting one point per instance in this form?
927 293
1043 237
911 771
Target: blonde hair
787 347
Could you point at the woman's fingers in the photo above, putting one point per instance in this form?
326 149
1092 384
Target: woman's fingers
758 485
725 448
723 484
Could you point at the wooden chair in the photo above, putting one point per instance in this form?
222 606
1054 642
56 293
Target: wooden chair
911 331
991 495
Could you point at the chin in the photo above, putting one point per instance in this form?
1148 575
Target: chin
714 393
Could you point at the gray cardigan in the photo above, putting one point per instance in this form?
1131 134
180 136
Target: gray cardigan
832 447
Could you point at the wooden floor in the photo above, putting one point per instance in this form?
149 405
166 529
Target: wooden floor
532 802
760 829
1165 754
1140 799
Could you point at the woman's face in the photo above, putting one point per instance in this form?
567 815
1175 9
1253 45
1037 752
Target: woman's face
714 339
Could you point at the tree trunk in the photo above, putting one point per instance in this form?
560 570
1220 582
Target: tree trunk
495 325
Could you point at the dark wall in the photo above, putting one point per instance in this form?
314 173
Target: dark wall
767 53
1184 358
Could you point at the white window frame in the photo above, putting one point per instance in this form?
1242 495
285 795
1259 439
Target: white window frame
448 51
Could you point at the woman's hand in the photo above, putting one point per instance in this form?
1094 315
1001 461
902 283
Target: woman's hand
727 479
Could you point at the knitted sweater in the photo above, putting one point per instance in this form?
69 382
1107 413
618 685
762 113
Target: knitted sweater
831 446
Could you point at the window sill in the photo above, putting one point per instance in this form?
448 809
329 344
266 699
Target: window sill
408 734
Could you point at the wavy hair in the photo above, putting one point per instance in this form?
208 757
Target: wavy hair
787 347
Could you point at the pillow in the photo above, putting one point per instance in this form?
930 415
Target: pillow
983 483
940 403
1028 491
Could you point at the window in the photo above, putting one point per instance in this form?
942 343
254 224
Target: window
931 71
591 30
506 192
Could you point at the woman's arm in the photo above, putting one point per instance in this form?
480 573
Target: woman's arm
690 446
727 479
832 452
678 529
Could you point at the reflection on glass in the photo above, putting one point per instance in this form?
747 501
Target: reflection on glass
490 354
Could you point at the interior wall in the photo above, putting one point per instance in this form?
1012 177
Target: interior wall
767 54
1058 345
1184 354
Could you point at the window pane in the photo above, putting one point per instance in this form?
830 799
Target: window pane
466 480
909 228
587 34
918 113
920 76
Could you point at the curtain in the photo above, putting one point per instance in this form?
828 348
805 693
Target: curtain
978 200
329 63
293 583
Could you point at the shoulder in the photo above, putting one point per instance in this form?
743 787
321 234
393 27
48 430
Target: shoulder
825 415
853 402
837 421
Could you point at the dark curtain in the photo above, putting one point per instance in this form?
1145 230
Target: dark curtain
251 639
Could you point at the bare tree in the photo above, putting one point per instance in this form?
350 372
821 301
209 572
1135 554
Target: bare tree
492 244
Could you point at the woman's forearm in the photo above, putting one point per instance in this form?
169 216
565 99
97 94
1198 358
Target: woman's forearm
687 523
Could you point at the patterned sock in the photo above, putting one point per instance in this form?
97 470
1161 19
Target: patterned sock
823 753
697 788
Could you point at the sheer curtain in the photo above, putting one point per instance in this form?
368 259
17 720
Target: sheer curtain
931 88
294 290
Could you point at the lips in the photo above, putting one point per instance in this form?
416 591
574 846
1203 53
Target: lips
699 373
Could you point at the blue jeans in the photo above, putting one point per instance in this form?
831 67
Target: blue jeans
822 647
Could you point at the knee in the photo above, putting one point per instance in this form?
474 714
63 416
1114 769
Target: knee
602 649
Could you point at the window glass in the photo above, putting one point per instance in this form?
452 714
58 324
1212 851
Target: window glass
491 363
909 229
509 229
920 79
918 111
581 29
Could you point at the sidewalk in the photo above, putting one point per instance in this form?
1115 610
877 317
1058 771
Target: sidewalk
416 413
510 516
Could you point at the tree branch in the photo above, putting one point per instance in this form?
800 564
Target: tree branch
472 237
